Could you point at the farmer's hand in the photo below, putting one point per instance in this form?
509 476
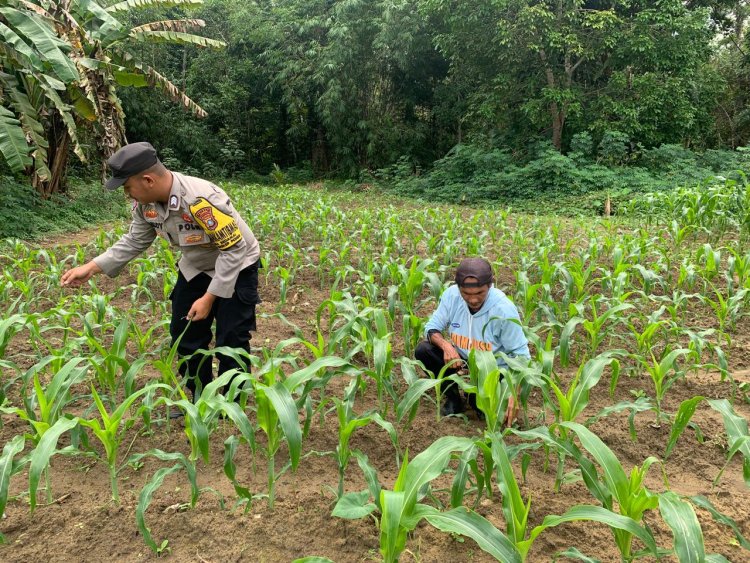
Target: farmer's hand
510 413
451 358
79 275
201 307
450 355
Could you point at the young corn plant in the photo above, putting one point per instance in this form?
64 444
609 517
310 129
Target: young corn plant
659 372
112 367
491 388
570 404
382 372
348 423
111 429
400 510
44 406
736 427
728 311
595 328
277 412
516 510
614 489
156 481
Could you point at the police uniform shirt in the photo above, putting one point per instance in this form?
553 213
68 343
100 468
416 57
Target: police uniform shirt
201 221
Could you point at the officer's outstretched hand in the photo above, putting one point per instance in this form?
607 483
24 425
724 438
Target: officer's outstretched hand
79 275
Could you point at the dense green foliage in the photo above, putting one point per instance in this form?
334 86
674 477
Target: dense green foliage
564 96
631 95
642 317
24 214
548 181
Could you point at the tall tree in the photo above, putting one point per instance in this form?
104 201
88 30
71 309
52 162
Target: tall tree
552 59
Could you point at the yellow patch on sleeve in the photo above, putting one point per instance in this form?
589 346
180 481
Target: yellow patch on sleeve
221 228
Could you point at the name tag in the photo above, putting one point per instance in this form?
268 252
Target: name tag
192 238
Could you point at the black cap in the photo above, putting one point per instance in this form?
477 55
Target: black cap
477 268
130 160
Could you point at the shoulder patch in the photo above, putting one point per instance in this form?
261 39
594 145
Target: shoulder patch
221 228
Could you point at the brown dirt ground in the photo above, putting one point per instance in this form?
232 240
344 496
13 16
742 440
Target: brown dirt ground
82 524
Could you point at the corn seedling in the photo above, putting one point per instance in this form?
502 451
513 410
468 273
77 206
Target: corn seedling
595 328
571 403
659 370
400 508
144 499
111 429
631 497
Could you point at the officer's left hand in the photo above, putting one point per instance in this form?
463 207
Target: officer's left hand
201 308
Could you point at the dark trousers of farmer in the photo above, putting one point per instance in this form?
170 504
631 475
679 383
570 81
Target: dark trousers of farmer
235 318
431 357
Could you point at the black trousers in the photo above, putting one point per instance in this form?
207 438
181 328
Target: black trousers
431 357
235 318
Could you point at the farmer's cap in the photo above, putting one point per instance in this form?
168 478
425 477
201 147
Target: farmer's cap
477 268
130 160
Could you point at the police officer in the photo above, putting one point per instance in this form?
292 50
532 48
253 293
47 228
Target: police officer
218 269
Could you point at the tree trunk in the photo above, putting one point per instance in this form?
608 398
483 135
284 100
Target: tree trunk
556 113
57 162
558 122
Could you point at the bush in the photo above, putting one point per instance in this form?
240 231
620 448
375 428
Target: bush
474 174
25 215
613 148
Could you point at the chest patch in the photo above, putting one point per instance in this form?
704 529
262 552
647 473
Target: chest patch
192 238
150 213
221 228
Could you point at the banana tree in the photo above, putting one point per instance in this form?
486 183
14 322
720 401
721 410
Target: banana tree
62 63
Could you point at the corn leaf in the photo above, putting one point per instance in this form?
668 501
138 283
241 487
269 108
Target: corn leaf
573 553
305 374
7 469
371 476
354 506
681 420
470 524
412 396
614 475
286 410
43 452
144 499
174 456
721 518
688 537
230 469
737 434
602 515
392 532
